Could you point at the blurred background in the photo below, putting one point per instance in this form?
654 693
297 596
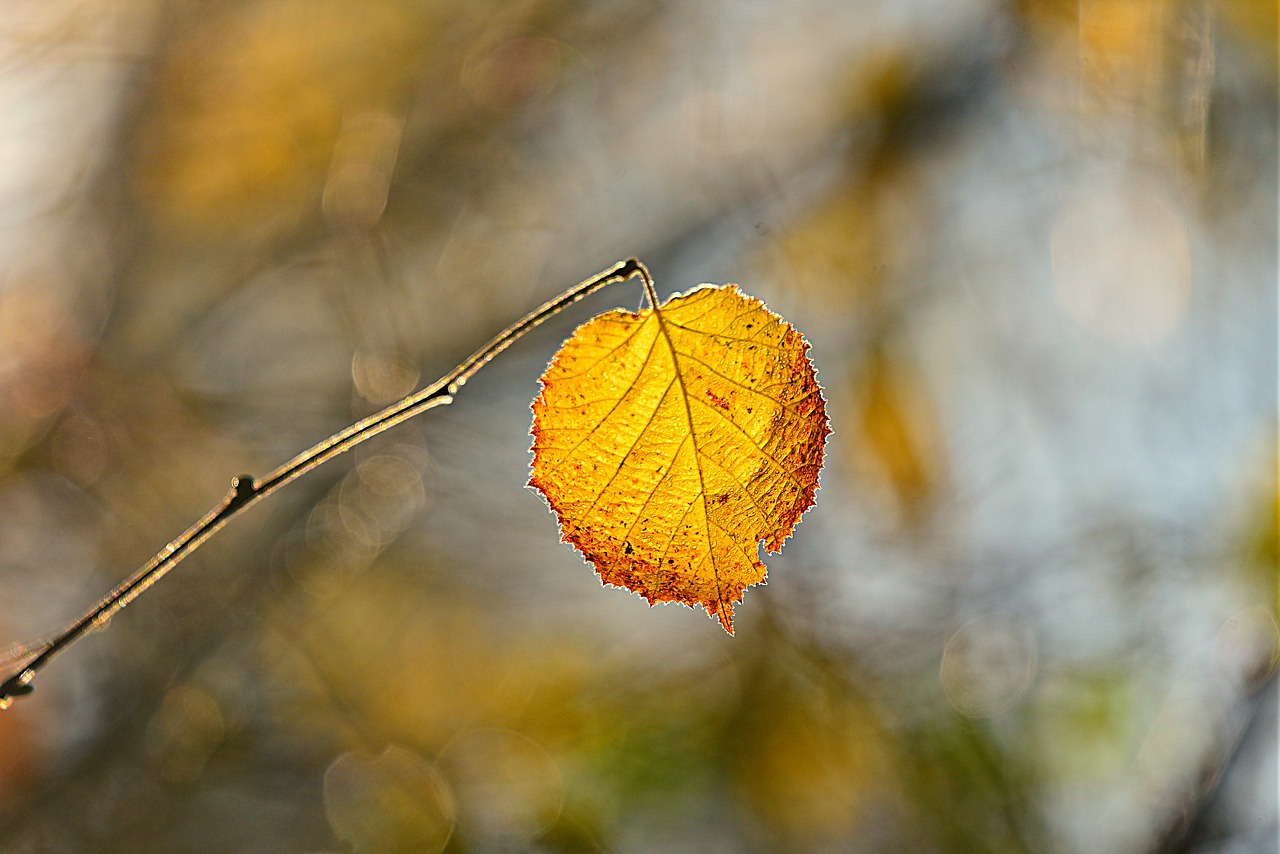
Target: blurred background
1033 245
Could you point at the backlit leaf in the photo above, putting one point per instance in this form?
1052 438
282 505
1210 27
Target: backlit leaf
672 442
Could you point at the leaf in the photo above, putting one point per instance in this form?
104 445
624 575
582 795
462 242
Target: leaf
897 438
672 442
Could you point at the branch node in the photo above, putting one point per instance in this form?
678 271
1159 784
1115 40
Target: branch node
243 488
246 489
17 685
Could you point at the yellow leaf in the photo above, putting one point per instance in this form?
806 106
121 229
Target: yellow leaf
898 434
671 442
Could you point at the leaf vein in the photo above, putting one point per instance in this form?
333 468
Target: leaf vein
702 485
767 517
777 347
753 442
781 405
623 461
630 387
751 559
645 506
591 367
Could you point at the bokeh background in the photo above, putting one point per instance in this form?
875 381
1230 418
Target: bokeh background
1033 245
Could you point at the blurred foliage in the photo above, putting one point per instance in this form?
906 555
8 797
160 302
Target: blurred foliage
1033 245
248 108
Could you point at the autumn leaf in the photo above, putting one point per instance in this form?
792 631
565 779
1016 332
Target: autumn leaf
673 441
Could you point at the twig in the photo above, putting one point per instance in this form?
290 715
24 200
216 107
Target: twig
246 490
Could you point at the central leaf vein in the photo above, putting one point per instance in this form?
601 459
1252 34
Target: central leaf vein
697 455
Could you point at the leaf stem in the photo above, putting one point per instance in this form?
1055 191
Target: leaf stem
246 490
649 292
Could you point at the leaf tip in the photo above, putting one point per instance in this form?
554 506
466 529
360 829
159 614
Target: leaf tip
723 613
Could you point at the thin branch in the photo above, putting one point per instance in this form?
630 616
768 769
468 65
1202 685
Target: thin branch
246 490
